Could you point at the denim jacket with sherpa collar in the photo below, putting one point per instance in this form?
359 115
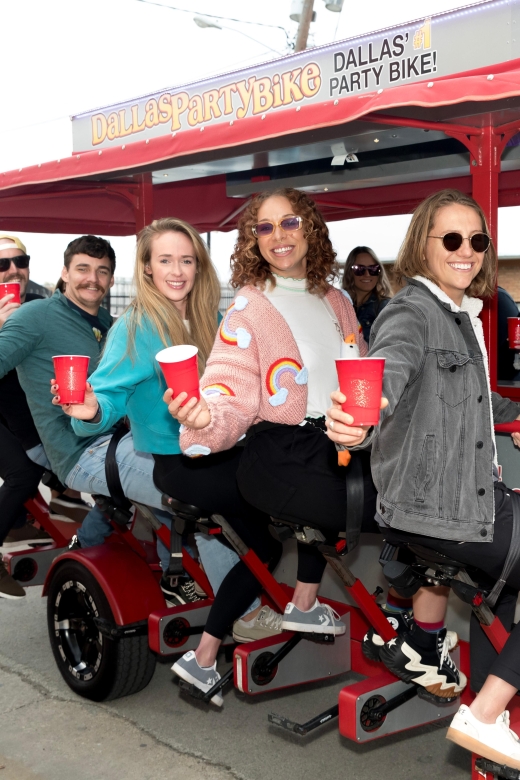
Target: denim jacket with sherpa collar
432 452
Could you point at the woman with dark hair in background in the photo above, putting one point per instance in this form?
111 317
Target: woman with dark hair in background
366 282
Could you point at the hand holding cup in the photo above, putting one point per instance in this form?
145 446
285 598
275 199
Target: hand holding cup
344 430
85 411
193 413
8 303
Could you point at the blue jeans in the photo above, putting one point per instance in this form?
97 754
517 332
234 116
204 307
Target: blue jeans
95 526
136 475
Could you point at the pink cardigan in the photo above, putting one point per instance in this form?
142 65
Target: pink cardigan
255 371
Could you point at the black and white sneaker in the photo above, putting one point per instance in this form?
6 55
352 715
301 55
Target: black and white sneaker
70 508
400 622
373 643
413 657
179 590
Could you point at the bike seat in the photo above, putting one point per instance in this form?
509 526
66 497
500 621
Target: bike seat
433 557
179 509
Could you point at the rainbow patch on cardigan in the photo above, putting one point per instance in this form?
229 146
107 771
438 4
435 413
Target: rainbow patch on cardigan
218 389
239 337
276 371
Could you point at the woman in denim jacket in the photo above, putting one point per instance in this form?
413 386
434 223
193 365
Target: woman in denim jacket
433 452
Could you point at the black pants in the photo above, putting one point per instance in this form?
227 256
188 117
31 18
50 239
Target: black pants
485 561
21 479
210 484
291 472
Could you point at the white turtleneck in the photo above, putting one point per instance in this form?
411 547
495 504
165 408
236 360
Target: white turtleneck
317 335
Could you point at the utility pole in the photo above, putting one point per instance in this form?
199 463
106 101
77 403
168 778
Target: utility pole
304 26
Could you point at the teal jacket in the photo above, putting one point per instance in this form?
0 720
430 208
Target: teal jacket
133 386
28 340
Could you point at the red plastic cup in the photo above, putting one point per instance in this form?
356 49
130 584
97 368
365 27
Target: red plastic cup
180 368
361 380
513 331
71 376
11 288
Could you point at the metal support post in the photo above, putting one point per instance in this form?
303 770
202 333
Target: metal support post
144 202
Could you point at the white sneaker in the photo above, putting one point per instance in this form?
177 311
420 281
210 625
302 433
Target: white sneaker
267 623
494 741
320 619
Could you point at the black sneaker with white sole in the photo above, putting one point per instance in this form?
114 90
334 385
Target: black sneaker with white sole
373 643
424 659
72 508
179 590
401 622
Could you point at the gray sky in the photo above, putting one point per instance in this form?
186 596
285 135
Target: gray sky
63 57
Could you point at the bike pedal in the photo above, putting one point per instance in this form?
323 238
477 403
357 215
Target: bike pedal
319 639
500 771
439 701
191 690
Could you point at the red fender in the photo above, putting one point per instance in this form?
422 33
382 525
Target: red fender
126 579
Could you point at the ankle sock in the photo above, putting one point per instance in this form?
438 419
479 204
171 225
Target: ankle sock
426 640
430 628
398 604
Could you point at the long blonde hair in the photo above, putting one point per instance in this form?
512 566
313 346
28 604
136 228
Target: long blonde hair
202 303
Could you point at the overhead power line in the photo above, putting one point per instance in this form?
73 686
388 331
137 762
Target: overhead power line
213 16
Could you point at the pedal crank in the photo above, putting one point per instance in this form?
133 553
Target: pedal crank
196 693
303 728
499 771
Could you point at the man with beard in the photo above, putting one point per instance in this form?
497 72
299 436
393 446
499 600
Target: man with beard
17 431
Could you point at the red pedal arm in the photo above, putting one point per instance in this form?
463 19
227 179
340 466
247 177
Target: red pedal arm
371 611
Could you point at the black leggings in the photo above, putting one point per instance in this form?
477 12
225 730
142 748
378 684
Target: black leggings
210 484
485 561
21 479
291 472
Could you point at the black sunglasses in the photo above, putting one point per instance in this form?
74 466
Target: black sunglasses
21 261
452 241
359 270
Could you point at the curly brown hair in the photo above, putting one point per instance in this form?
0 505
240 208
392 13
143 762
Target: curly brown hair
249 267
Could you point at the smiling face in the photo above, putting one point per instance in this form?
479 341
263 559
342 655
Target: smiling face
285 252
87 279
172 266
366 283
13 274
454 271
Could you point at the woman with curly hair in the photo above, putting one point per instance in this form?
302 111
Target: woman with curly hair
269 379
365 280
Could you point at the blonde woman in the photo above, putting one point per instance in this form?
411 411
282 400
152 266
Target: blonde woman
176 302
365 280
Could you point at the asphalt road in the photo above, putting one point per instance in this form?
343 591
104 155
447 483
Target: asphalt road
48 732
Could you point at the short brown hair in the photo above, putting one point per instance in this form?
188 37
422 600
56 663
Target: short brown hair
411 259
93 246
249 267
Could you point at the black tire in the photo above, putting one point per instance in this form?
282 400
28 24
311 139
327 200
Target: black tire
94 666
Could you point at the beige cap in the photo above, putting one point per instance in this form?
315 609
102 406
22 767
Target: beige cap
5 245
